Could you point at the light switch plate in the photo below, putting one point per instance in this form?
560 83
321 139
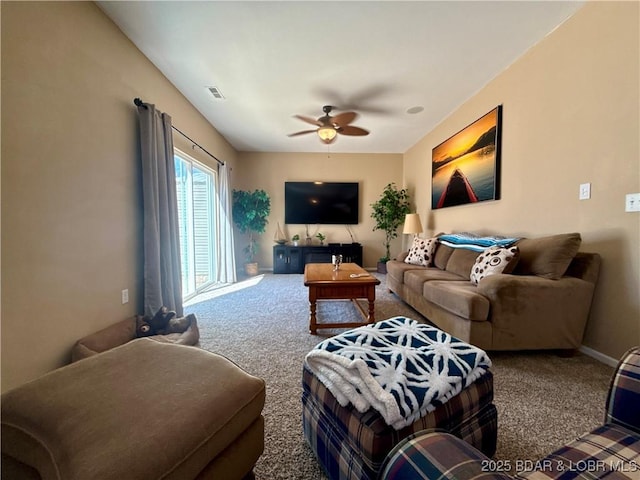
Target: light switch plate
632 202
585 191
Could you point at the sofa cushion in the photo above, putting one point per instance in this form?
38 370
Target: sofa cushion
494 260
442 255
461 262
397 269
547 257
460 298
421 251
415 279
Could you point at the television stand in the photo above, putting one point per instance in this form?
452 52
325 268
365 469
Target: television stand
292 259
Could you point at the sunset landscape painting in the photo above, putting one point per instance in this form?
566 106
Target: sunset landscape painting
466 167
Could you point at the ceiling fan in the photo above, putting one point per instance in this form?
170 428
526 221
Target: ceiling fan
329 127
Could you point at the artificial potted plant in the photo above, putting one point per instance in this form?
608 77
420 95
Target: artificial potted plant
250 212
389 212
295 239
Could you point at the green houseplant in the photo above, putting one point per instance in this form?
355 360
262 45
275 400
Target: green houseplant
250 211
389 212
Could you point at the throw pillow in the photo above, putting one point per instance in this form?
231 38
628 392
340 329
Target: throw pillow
548 257
421 252
494 260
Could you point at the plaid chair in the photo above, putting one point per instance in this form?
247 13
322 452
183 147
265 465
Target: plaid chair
611 451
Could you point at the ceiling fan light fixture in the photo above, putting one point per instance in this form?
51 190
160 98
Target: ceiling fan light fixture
328 127
327 134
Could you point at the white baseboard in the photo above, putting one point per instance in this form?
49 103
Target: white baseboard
601 357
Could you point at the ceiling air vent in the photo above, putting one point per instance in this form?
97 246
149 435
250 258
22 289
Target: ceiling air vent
217 94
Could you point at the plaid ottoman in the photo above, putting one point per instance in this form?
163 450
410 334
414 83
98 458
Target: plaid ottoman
353 445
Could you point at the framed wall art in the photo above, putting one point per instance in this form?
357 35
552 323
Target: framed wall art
465 168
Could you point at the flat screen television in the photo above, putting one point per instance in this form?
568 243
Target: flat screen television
332 203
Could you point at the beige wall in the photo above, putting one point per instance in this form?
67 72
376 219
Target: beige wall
269 171
570 116
70 226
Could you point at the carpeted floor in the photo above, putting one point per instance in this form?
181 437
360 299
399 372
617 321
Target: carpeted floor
543 400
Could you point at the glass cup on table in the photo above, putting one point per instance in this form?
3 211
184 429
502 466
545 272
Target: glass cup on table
336 260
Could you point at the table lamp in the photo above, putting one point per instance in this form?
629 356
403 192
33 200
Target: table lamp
412 224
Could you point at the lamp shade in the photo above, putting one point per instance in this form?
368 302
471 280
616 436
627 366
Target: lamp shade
412 223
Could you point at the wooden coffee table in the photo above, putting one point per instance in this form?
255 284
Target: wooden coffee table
350 282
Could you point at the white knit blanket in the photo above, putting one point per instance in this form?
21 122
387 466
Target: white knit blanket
400 367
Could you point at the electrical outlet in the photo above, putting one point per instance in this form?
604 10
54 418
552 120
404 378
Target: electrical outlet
585 191
125 296
632 202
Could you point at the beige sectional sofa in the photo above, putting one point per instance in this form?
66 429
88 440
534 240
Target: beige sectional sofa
543 304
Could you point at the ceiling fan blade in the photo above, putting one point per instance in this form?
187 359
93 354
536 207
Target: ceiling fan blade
303 132
312 121
344 119
355 131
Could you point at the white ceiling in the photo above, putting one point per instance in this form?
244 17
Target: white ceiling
272 60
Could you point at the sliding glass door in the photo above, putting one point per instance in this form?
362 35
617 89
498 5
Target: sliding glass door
196 192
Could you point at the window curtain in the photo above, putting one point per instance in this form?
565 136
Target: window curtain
226 270
162 279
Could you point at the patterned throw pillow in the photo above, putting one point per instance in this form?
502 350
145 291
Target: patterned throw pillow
494 260
421 252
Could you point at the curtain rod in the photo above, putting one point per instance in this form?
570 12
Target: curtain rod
140 103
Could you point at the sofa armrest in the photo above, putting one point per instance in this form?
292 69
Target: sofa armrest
437 454
402 256
585 266
624 392
555 310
